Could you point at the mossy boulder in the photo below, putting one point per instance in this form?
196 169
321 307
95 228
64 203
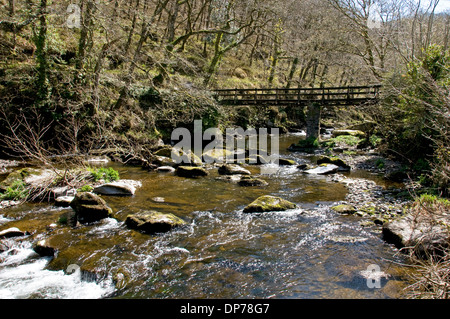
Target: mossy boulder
44 249
248 181
121 187
229 169
152 222
162 161
12 232
333 160
269 203
191 171
90 207
344 209
307 145
323 169
421 232
21 175
217 155
185 158
286 162
165 151
356 133
36 179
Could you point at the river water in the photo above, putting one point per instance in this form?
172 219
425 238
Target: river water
308 252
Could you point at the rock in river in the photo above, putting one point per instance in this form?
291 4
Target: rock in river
151 222
12 232
333 160
424 233
349 132
269 203
229 169
286 161
191 171
43 249
165 169
64 201
251 181
344 209
323 169
90 207
118 188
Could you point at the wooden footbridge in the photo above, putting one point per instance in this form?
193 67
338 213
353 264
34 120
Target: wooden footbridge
349 95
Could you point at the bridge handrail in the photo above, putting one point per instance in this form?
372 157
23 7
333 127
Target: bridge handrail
298 95
301 89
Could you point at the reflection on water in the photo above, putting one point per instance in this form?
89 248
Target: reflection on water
308 252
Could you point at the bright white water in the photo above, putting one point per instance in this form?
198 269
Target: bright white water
23 275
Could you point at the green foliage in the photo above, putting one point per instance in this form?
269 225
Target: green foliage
414 114
85 188
375 140
346 140
107 174
379 163
421 165
431 200
17 191
309 142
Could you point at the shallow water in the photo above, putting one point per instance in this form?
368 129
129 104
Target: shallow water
308 252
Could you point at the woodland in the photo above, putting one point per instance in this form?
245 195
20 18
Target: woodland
78 76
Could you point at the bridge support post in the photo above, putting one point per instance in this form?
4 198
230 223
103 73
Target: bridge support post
313 121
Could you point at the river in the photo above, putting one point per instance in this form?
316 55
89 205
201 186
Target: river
308 252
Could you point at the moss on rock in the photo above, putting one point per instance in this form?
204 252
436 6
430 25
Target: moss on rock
344 209
191 171
333 160
90 208
251 181
152 222
269 203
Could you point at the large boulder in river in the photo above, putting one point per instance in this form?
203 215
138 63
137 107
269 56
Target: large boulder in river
285 162
163 161
191 171
12 232
230 169
269 203
251 181
121 187
356 133
335 161
151 222
90 207
423 233
44 249
323 169
64 201
344 209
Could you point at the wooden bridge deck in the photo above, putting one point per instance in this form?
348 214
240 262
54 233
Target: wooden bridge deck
349 95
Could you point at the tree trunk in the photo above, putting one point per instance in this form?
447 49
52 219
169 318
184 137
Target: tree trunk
173 14
133 27
216 58
86 21
41 52
292 72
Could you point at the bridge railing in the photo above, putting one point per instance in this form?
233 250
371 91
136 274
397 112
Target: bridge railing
300 96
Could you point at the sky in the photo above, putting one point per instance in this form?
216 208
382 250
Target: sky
444 5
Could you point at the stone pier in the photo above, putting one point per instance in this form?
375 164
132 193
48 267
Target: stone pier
313 121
